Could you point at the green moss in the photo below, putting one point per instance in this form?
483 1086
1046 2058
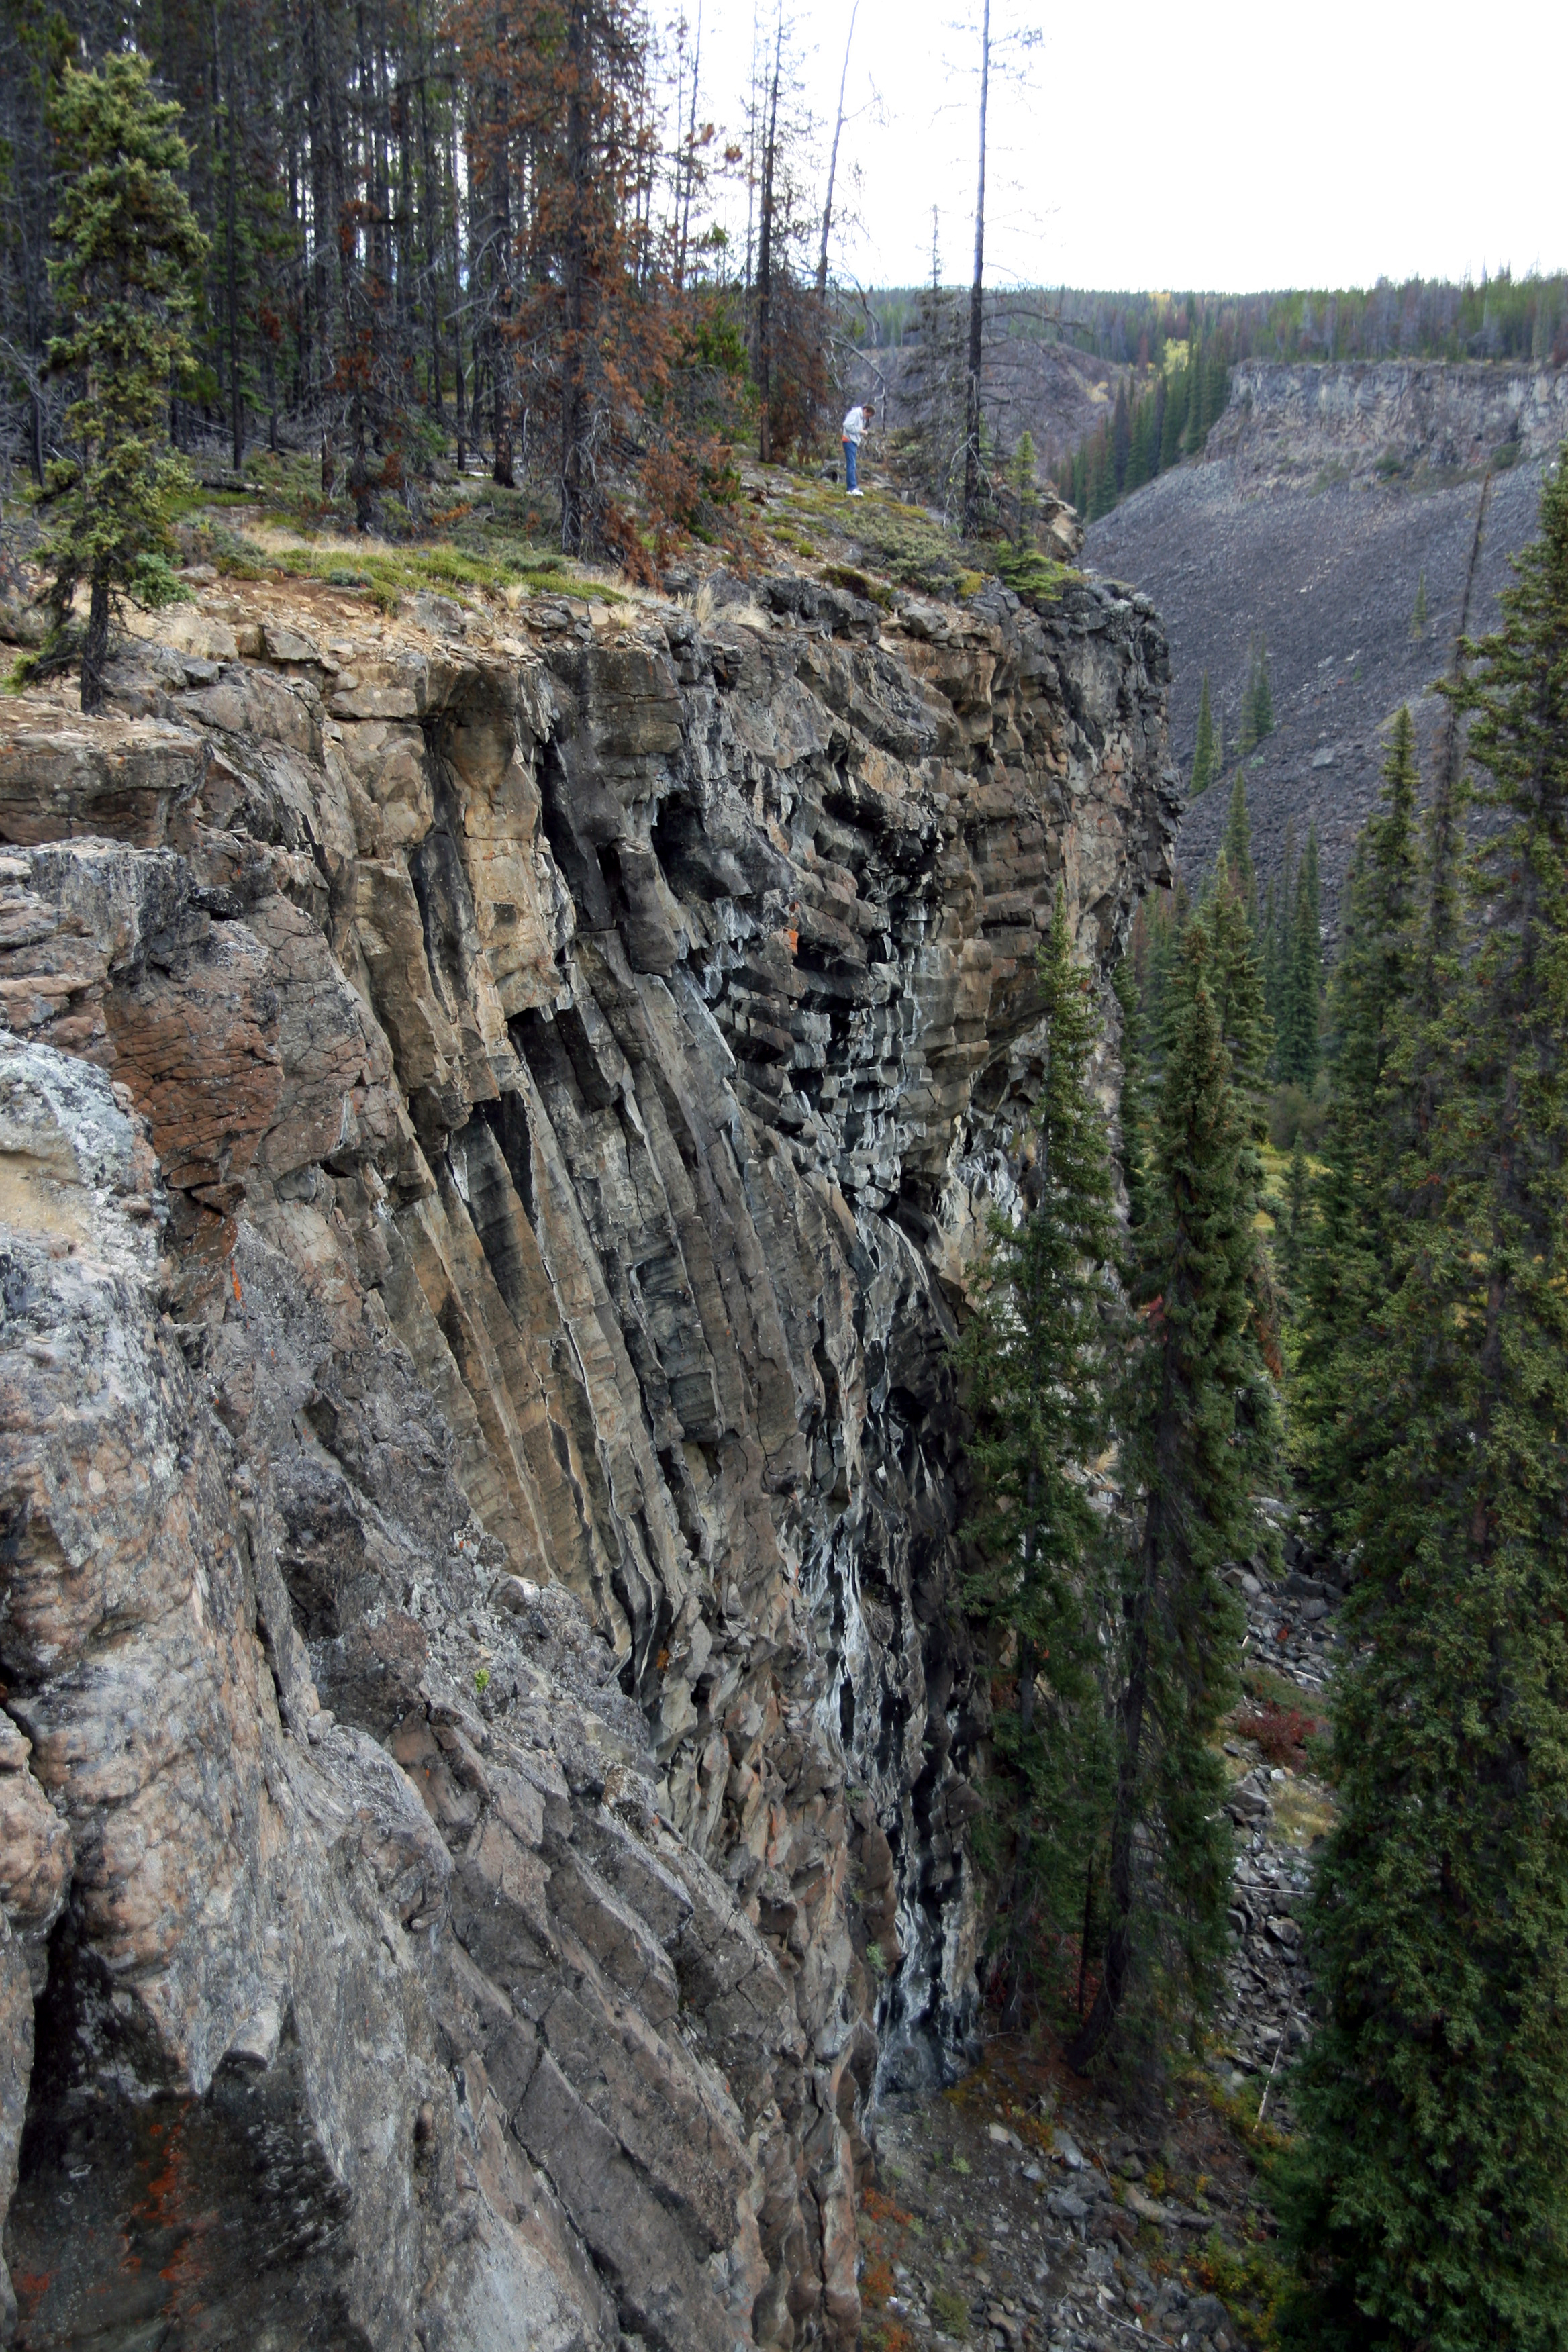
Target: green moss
875 591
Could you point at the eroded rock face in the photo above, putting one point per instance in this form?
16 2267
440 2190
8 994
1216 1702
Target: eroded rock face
491 1131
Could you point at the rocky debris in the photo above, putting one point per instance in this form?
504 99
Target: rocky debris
1279 1808
1041 2232
1324 496
493 1122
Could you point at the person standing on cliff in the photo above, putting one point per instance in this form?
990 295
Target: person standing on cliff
854 426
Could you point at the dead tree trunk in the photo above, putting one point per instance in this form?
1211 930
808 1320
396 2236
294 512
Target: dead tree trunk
976 304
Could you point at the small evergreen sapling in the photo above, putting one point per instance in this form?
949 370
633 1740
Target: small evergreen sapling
1204 768
129 245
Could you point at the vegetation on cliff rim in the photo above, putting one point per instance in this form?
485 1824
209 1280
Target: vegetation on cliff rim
129 242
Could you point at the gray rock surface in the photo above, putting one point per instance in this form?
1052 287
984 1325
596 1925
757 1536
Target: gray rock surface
492 1129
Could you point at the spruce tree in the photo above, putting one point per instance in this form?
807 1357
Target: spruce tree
1418 615
1025 492
1347 1275
1237 844
1203 746
1307 975
1188 1454
1121 437
130 243
1297 1213
1032 1361
1429 2204
1138 451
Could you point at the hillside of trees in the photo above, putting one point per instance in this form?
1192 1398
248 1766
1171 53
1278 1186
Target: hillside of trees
1499 318
485 233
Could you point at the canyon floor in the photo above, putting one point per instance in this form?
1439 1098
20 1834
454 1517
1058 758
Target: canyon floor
1026 2207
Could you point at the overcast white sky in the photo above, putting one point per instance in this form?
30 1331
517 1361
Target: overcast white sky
1189 143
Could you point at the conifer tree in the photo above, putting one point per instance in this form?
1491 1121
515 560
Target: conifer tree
1237 844
1022 484
1430 2197
1204 747
1346 1276
1418 613
130 243
1033 1358
1187 1455
1307 972
1121 437
1298 1212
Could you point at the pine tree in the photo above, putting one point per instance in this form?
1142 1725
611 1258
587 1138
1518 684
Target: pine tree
1203 748
121 286
1418 615
1034 1364
1188 1452
1430 2199
1237 844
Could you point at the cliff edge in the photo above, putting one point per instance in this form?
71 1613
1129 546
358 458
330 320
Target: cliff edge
496 1107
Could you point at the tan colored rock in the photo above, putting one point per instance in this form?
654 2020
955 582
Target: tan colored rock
99 776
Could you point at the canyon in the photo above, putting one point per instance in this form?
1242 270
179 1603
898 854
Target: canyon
499 1103
1327 500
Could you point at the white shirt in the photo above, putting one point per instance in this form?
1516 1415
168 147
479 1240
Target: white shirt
854 424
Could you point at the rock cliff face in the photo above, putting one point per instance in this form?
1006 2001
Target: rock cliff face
1401 413
492 1128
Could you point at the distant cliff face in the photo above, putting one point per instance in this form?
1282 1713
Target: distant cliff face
1401 413
491 1130
1325 498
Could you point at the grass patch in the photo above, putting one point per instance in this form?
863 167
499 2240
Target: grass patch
1303 1811
874 591
386 572
1262 1684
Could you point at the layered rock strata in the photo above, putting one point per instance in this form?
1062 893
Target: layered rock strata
491 1130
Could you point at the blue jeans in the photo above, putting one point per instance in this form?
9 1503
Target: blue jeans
851 452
